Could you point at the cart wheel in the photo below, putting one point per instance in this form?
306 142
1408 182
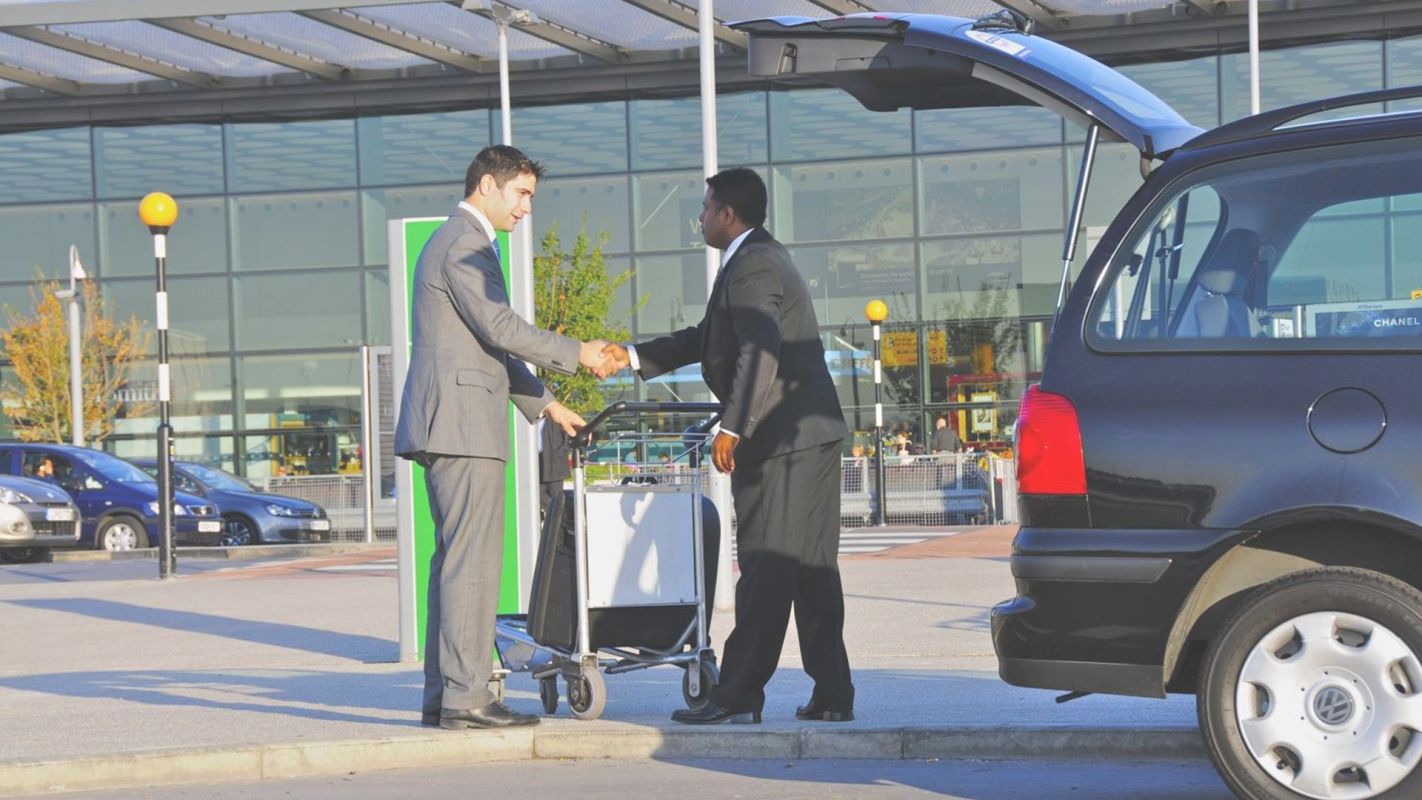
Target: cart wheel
548 692
709 676
587 694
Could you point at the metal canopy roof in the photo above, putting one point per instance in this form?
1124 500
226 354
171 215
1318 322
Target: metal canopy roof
66 62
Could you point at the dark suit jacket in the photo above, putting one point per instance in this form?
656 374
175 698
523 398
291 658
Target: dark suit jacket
760 352
553 454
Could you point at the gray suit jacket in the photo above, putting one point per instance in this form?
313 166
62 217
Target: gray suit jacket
464 367
760 352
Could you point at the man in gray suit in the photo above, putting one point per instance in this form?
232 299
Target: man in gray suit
781 432
465 367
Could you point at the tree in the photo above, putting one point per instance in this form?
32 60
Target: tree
573 295
37 400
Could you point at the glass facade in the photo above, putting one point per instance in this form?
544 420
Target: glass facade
278 273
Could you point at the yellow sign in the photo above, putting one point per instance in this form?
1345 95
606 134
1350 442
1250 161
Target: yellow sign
900 348
1417 294
938 348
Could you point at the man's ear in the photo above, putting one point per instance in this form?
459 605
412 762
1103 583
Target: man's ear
487 184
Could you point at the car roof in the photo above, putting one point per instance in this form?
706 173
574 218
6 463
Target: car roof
1296 117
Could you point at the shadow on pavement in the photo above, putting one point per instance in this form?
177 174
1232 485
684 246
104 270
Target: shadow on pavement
316 695
368 649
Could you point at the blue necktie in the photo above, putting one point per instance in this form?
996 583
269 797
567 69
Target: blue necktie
497 255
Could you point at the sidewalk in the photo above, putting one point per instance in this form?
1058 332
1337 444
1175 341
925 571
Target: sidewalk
286 667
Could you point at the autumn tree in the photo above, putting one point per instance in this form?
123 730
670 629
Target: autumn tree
573 295
36 398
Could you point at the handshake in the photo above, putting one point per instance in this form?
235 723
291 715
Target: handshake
603 358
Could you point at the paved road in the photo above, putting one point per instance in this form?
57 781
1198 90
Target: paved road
765 780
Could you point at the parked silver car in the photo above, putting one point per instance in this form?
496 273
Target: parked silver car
34 517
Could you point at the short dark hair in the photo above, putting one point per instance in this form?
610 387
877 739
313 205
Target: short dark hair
502 161
742 189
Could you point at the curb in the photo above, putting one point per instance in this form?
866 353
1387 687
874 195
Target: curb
248 553
305 759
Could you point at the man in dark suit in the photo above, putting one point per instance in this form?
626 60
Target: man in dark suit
781 433
945 439
465 368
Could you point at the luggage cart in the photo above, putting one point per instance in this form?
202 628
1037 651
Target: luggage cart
622 578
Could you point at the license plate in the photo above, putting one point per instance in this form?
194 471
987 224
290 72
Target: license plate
210 526
320 524
59 514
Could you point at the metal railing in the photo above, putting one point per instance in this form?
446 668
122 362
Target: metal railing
944 489
343 497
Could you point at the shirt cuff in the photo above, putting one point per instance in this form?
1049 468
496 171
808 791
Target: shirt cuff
731 434
634 362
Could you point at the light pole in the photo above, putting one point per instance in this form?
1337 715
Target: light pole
76 344
876 312
159 211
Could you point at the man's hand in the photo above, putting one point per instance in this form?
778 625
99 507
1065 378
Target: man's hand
591 355
563 417
617 355
723 452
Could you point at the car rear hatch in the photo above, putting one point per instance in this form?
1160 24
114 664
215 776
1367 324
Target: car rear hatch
922 61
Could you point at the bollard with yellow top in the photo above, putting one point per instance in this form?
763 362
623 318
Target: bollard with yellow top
876 312
159 211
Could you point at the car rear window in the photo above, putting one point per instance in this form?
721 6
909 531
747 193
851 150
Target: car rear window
1311 249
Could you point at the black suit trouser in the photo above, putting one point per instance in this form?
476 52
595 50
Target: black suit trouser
787 544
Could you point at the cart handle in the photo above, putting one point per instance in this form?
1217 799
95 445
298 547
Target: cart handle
625 407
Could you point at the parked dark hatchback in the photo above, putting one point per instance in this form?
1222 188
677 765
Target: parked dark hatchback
1218 474
249 516
117 501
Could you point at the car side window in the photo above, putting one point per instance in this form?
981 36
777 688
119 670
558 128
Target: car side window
46 466
7 461
1299 250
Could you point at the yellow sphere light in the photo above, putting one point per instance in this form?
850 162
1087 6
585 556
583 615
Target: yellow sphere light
876 311
158 210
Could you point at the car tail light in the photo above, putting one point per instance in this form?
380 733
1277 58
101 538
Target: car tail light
1049 457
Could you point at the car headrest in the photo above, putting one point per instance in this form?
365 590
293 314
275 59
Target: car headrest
1232 262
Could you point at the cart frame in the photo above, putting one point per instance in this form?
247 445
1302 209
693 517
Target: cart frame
582 668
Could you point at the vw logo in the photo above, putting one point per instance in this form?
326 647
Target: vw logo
1333 706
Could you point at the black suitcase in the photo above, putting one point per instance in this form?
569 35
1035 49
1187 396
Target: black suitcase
553 603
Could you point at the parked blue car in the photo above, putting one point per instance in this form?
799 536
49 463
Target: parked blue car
249 516
117 501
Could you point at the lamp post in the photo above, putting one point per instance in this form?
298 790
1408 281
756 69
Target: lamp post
76 342
875 311
159 211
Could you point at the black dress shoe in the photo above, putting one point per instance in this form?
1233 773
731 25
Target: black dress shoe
712 714
494 715
822 712
429 719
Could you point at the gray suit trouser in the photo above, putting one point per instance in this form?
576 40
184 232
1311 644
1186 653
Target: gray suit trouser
467 503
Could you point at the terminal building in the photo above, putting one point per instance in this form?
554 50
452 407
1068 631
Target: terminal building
291 131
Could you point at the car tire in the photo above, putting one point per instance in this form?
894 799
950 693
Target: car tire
24 555
1311 689
239 531
119 533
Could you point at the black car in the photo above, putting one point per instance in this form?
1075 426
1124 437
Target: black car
1218 473
249 516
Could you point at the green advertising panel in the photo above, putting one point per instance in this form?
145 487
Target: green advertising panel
416 524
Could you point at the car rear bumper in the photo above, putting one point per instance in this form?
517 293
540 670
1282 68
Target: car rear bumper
1094 608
